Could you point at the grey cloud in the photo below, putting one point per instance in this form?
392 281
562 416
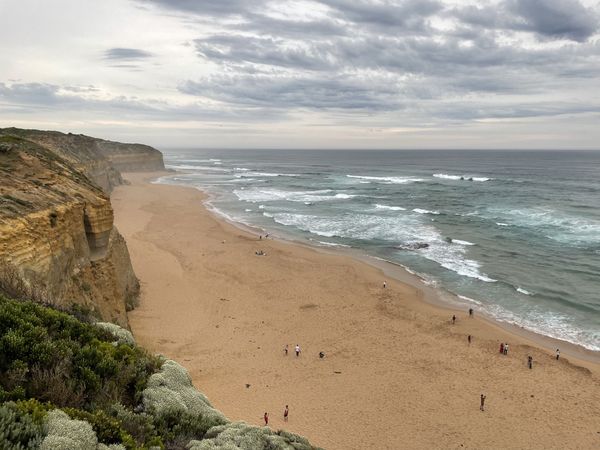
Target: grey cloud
260 50
556 18
387 13
26 98
125 54
297 92
208 8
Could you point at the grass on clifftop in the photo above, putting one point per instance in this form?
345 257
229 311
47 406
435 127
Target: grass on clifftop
68 385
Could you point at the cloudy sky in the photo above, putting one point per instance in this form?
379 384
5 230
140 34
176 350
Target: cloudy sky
306 73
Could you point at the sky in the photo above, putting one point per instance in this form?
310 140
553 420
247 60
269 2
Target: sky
384 74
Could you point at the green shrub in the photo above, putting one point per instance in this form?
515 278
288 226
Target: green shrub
51 356
17 429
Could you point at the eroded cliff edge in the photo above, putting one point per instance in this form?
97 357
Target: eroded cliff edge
58 243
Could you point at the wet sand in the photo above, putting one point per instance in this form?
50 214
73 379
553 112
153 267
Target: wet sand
396 374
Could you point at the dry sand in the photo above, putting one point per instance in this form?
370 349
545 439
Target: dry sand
397 374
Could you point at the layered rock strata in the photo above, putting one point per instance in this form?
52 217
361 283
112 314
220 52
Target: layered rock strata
100 160
58 243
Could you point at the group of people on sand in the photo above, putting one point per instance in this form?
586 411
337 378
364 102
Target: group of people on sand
260 253
286 413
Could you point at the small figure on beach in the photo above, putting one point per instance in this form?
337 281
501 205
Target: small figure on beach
267 236
481 405
469 339
501 348
260 237
530 362
266 418
384 284
297 350
285 349
470 312
286 413
506 348
321 355
453 319
557 354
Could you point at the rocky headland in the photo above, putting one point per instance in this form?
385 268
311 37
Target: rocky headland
58 243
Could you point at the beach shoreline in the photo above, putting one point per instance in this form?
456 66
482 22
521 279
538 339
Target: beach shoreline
379 324
434 295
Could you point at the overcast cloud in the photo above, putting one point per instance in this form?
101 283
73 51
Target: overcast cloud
307 73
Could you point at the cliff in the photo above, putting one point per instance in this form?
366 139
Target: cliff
100 160
57 239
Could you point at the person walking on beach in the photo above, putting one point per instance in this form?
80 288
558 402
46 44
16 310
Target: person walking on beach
481 405
285 413
470 312
453 318
384 284
469 339
506 349
266 417
501 348
285 349
530 362
557 354
297 350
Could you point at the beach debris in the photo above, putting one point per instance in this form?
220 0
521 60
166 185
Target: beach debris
247 385
337 371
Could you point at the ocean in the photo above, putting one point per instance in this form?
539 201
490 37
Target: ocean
515 234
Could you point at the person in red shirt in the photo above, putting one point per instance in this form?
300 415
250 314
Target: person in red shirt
285 413
266 417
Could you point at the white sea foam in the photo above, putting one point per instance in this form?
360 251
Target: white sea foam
255 195
241 169
557 225
523 291
332 244
470 300
248 210
390 208
446 176
266 174
404 229
425 211
195 167
387 180
461 242
502 224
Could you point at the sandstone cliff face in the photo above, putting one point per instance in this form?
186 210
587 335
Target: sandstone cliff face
100 160
56 228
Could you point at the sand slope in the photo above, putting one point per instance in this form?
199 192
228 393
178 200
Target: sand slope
397 374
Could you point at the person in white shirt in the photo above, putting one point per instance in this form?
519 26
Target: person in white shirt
297 350
557 354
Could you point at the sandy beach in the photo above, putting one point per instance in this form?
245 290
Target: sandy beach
396 373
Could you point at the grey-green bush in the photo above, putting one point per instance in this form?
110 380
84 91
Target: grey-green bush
241 436
171 390
18 431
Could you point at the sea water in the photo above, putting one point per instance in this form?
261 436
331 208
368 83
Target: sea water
516 233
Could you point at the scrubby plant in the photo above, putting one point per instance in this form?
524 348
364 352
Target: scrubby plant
241 436
18 430
67 434
122 335
51 356
180 412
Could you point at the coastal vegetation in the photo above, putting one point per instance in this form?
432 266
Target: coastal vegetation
71 383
